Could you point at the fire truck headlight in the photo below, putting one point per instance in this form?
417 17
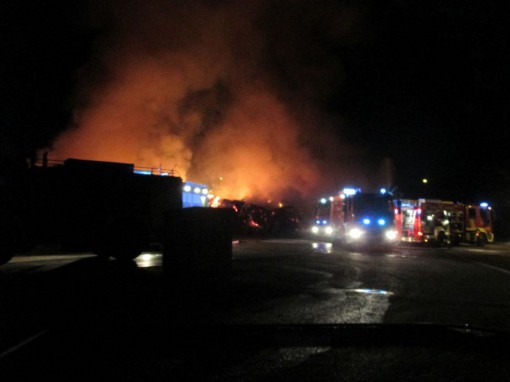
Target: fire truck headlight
390 234
315 229
355 233
329 230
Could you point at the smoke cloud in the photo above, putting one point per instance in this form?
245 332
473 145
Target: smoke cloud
225 93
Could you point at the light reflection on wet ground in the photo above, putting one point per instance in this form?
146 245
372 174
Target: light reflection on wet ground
322 247
372 291
394 252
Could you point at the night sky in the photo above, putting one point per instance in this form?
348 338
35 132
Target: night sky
424 84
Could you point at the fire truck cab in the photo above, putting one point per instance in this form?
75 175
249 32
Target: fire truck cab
477 225
356 218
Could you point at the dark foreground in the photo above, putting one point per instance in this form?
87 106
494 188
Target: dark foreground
292 310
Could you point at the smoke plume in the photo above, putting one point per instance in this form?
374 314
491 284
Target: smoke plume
225 93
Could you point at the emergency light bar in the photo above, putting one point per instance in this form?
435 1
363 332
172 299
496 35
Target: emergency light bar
348 191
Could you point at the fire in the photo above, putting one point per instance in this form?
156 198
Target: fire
255 148
198 98
257 151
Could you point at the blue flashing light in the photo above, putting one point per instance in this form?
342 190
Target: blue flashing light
193 195
324 222
143 172
323 201
366 221
484 205
383 191
317 222
381 222
350 191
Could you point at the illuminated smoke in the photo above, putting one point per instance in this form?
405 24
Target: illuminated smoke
190 87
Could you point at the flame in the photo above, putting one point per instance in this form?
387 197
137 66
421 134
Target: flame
257 151
190 92
215 202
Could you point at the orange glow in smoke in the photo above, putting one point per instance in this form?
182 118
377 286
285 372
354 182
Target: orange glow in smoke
192 96
256 148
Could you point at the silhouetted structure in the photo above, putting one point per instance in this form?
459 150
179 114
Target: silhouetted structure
102 207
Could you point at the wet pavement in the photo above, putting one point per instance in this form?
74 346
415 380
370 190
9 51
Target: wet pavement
49 300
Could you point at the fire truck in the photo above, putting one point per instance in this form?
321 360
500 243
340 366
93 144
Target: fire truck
443 222
111 209
356 218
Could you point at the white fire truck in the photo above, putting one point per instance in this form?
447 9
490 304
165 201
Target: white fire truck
354 217
444 222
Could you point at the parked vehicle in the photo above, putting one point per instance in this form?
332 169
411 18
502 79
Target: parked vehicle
355 217
445 222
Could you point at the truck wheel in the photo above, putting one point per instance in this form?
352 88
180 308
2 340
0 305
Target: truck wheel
456 240
481 240
442 240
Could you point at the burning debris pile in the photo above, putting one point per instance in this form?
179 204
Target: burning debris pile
253 219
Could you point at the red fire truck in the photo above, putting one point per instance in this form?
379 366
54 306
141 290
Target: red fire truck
445 222
354 217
